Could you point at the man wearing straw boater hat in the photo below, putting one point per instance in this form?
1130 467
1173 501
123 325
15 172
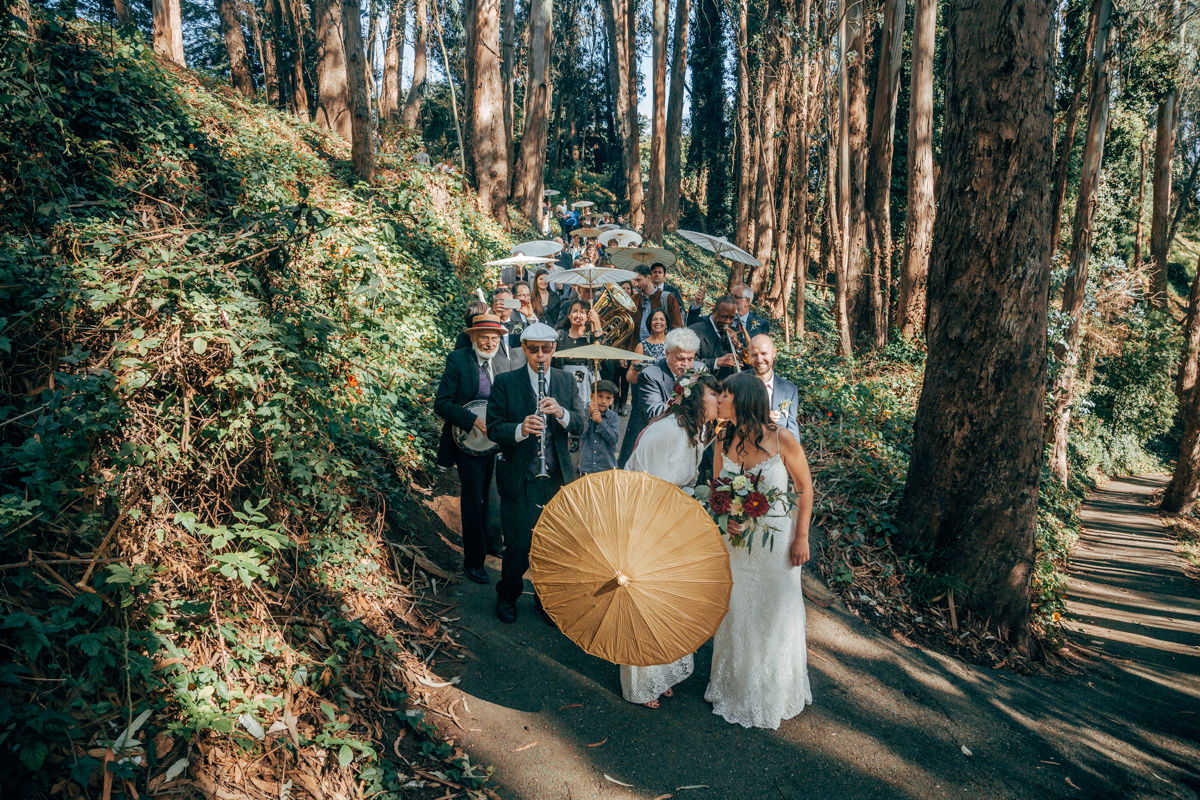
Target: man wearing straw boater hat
530 472
469 375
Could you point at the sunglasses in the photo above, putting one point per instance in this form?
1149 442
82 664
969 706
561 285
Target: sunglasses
544 347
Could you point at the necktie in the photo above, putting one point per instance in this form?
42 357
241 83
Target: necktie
485 379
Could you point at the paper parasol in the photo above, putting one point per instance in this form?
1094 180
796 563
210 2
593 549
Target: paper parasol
512 261
630 568
542 247
601 352
549 192
582 204
631 257
592 276
721 246
620 238
587 233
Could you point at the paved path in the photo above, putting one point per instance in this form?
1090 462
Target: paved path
888 721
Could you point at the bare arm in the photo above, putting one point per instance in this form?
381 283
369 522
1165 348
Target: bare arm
631 374
796 463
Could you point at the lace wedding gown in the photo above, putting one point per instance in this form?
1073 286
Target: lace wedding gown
663 451
760 659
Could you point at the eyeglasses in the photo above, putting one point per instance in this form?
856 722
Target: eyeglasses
542 347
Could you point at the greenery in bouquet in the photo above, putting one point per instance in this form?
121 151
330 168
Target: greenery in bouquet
740 497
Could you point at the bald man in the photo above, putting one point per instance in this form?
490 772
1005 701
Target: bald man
783 394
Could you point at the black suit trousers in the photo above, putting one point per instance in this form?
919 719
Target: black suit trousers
475 477
518 515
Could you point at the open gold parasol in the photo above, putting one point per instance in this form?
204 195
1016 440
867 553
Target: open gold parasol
631 257
630 568
587 233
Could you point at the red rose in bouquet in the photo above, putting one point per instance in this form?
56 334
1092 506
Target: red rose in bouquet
755 505
720 502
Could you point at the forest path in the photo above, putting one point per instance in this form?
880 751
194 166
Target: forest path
887 721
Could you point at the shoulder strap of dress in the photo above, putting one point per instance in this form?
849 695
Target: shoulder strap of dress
776 440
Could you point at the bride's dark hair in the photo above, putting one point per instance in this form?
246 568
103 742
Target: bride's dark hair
689 410
752 407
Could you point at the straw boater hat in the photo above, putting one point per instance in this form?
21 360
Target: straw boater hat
487 323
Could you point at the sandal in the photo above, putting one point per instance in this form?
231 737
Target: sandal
669 693
651 704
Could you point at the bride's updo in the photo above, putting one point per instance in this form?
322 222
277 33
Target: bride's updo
687 402
751 407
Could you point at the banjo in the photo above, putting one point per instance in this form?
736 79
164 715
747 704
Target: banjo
471 441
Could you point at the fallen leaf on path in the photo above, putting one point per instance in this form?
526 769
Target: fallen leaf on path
1055 763
572 705
611 779
1071 784
597 744
526 747
663 796
965 750
697 786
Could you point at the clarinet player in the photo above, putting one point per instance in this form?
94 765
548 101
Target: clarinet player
517 422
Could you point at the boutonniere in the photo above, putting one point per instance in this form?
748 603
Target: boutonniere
784 406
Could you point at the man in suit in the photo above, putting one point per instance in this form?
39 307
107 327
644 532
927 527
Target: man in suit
716 350
658 279
783 394
752 323
515 275
469 375
514 424
656 383
647 299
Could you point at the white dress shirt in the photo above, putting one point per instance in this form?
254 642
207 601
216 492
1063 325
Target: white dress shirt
533 381
770 384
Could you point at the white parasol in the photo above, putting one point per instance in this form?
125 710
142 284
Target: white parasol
593 276
513 261
620 238
550 192
582 204
631 257
541 247
721 246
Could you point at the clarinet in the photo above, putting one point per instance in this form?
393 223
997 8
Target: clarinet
541 395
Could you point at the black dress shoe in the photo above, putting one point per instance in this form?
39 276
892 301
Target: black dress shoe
477 574
506 611
623 411
498 552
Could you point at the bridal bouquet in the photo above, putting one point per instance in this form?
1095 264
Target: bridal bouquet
741 497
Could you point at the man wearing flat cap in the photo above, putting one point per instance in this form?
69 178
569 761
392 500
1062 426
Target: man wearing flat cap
514 424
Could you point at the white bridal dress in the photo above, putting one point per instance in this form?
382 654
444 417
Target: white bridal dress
662 451
760 659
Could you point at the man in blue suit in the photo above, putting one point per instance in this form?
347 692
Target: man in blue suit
750 322
783 394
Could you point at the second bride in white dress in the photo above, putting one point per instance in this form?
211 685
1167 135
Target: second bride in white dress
670 448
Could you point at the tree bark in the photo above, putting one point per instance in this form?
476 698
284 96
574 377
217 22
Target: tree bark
124 15
879 166
1185 379
675 118
1185 197
781 281
1075 288
743 158
764 188
971 495
1141 208
620 19
531 166
333 87
363 153
389 97
860 298
653 226
1164 154
508 56
922 209
411 115
299 96
488 143
168 30
1181 492
1064 157
235 47
842 310
271 53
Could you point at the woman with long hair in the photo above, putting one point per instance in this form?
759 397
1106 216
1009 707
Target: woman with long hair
760 659
654 345
670 448
546 301
581 326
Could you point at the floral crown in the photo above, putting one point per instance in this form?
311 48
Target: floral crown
683 386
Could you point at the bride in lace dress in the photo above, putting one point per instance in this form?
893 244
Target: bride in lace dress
670 448
760 659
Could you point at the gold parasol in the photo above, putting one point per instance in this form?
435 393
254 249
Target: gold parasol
630 568
587 233
631 257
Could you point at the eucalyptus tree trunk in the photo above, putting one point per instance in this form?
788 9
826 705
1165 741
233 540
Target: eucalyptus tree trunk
1075 288
675 118
361 132
781 280
971 495
333 86
860 299
235 47
742 159
658 124
1064 157
879 166
1141 208
842 308
411 115
124 15
764 188
620 18
1181 492
272 41
168 29
389 96
488 144
922 210
508 56
1164 154
298 102
1185 378
531 166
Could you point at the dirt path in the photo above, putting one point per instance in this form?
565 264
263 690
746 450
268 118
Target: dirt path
888 721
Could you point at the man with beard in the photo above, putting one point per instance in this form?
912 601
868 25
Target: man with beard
469 376
782 393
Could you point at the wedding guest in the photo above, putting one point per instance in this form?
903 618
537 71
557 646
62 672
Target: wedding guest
655 384
474 309
716 343
782 394
546 300
581 326
598 445
647 298
654 345
658 279
523 295
752 323
669 448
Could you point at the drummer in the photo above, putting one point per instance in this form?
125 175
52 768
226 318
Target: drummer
468 377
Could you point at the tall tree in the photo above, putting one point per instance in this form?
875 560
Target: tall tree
298 100
531 166
879 165
1068 145
508 59
921 209
838 215
235 47
1141 208
764 187
742 157
411 114
124 15
679 48
333 87
1185 377
362 151
707 145
620 18
488 142
1181 493
270 52
1166 122
168 30
861 300
653 226
389 95
971 495
1075 288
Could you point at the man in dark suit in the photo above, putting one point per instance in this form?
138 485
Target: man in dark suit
783 394
655 385
716 349
469 375
658 279
513 423
747 319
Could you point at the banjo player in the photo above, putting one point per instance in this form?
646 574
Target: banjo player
461 401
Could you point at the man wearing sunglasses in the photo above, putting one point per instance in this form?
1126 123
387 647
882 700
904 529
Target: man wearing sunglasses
514 422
